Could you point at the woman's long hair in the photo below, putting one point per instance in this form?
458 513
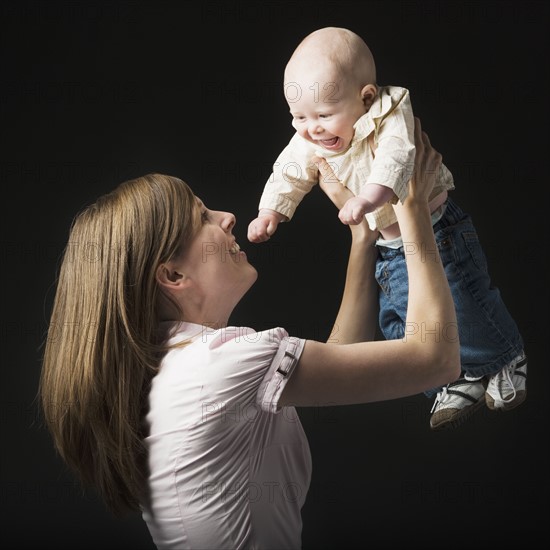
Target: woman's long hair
102 350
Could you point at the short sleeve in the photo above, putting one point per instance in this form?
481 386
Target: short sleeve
393 165
279 372
292 178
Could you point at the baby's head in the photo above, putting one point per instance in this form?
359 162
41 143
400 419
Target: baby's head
329 83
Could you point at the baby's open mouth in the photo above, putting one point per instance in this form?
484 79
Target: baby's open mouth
330 143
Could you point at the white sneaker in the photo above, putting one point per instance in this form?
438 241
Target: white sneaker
457 401
508 388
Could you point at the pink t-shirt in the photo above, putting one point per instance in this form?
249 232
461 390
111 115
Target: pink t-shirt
229 469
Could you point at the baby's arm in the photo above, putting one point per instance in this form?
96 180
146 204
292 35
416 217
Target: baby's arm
261 228
393 163
372 196
293 176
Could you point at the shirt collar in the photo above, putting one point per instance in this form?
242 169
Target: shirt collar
368 122
174 331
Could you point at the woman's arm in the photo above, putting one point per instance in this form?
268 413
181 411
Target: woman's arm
357 317
427 356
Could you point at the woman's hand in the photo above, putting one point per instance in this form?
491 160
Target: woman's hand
339 194
426 167
330 184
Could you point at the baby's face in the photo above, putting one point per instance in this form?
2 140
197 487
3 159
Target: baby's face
324 110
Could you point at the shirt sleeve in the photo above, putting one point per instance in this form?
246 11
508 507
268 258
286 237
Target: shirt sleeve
393 164
279 373
292 178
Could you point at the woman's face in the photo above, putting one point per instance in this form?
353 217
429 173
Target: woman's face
219 270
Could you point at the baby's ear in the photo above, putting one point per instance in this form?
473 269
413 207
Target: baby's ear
368 94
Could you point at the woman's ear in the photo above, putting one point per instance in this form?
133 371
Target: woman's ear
368 93
170 278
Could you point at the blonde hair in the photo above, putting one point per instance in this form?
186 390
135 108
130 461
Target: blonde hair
102 348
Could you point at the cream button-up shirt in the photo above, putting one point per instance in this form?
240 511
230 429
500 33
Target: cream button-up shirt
390 122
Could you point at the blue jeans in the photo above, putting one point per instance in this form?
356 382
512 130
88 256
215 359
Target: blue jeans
489 336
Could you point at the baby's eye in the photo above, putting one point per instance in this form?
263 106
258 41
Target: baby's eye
300 118
325 116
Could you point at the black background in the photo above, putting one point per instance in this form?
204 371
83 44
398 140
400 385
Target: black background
95 93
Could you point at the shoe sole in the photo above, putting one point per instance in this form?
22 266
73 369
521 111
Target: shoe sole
519 399
459 418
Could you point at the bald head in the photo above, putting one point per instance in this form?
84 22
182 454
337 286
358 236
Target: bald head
337 51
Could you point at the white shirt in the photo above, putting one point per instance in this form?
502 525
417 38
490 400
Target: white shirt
390 124
228 468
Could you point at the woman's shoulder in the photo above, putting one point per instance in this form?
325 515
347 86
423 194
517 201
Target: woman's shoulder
213 337
224 346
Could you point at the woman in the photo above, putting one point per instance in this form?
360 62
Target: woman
162 407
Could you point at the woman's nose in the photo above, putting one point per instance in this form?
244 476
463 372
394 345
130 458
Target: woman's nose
228 221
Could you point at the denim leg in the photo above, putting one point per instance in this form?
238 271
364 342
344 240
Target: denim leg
489 336
391 275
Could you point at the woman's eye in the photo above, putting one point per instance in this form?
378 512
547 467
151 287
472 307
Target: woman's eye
204 216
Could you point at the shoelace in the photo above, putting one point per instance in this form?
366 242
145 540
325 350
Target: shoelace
439 398
507 377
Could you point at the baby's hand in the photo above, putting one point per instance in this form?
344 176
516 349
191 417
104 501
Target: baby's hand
261 229
354 210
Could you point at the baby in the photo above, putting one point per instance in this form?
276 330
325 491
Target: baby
366 133
341 114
